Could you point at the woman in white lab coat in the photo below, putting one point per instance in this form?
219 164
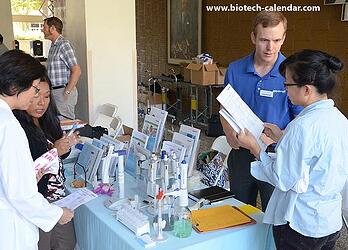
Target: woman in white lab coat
22 208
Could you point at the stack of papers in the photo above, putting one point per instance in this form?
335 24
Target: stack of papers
219 217
238 114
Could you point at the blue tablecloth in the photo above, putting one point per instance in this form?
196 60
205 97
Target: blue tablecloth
97 229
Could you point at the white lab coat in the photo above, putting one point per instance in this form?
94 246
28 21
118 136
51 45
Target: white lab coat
22 208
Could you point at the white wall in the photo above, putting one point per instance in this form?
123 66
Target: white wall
111 57
6 27
75 31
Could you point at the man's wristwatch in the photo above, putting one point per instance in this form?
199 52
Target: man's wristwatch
67 92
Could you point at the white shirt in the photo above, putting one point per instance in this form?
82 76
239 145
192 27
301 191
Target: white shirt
309 171
22 208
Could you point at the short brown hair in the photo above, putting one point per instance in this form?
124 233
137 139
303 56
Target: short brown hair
269 19
56 22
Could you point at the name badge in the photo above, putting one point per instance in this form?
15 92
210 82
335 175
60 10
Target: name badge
266 93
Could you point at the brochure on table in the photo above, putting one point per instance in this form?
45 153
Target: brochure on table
170 147
161 115
193 133
185 142
89 160
141 140
152 127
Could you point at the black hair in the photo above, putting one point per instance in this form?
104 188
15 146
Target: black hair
18 70
1 39
49 123
313 67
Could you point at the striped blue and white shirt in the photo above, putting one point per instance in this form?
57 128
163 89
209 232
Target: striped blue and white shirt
308 172
60 59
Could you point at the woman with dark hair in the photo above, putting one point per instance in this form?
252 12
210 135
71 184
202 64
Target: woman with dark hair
41 125
22 207
310 167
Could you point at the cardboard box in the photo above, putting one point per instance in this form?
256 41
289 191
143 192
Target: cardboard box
154 98
202 74
186 72
220 75
127 134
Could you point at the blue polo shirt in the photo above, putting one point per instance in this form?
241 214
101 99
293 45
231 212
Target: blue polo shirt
266 96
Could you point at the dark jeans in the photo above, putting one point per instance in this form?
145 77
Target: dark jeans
288 239
242 183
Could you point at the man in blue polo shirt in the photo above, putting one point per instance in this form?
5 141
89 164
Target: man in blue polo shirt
257 80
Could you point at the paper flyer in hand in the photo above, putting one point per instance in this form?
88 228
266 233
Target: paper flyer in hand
67 124
76 199
238 114
49 161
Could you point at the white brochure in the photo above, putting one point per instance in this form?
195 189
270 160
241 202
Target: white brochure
76 199
239 115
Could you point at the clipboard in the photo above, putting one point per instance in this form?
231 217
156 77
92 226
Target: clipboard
220 217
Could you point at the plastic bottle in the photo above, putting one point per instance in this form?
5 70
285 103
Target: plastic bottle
182 222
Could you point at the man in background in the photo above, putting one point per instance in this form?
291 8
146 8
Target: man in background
63 69
257 80
3 47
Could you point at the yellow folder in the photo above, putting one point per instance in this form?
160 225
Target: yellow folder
249 209
219 217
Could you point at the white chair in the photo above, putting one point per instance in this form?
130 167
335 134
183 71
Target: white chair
108 109
221 145
116 126
103 120
113 124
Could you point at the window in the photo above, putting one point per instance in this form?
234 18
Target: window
27 17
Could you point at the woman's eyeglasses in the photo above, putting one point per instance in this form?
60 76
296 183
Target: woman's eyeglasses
286 84
37 90
289 84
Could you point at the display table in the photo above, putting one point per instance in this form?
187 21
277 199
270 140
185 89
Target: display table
96 229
